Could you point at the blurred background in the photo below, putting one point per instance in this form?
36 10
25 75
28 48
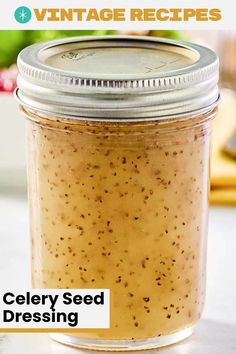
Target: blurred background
223 162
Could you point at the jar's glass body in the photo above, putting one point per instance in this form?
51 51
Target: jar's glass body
122 206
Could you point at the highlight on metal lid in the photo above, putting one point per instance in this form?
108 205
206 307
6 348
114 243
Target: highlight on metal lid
117 77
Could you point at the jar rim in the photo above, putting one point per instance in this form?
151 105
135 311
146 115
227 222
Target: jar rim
183 90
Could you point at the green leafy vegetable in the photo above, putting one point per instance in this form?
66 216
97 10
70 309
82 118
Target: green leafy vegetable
11 42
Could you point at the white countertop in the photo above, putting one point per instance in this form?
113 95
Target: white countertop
216 332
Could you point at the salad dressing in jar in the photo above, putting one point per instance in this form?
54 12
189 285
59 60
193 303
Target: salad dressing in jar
118 133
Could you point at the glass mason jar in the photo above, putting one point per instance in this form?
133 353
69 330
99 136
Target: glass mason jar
118 132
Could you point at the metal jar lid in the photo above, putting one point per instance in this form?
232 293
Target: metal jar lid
117 78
